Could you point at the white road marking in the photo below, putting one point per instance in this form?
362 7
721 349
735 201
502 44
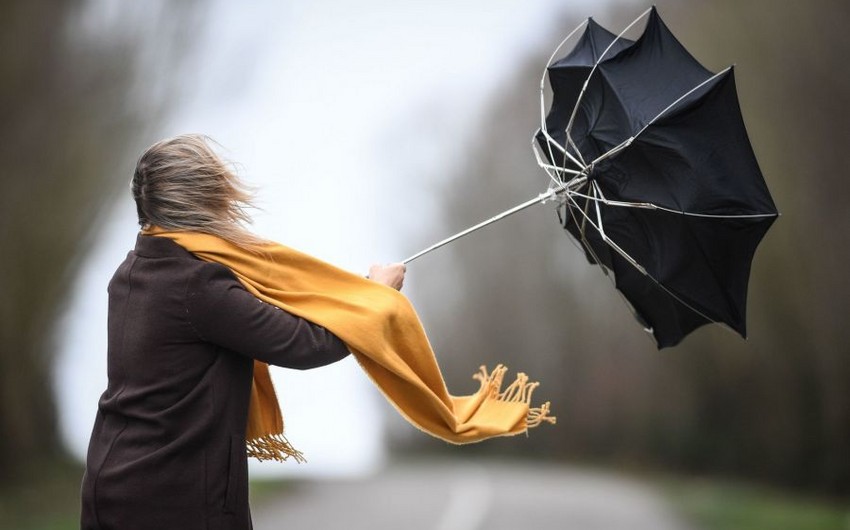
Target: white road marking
469 500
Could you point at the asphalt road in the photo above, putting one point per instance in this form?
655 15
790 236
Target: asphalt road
449 495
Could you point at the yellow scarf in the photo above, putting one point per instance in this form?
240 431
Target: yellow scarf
380 327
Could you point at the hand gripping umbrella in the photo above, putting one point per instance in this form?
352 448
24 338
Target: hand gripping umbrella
654 175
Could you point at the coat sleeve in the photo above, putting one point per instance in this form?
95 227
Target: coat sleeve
223 312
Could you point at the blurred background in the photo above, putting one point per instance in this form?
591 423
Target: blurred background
371 130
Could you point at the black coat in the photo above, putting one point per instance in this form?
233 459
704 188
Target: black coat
168 447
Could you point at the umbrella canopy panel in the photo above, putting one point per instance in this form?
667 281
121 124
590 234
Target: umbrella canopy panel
567 77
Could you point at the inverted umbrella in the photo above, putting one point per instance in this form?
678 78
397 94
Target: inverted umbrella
654 175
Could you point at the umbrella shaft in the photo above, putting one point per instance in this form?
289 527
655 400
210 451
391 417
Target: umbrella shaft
540 199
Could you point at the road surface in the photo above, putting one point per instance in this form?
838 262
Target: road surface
452 495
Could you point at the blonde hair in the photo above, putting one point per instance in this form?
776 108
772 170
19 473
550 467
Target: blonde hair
180 183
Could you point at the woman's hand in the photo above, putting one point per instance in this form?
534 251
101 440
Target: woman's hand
391 275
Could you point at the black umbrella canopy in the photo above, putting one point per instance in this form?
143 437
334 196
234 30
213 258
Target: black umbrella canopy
567 76
672 199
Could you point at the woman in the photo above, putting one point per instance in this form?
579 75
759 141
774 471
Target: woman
168 446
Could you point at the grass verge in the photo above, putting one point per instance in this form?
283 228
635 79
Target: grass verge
48 499
719 505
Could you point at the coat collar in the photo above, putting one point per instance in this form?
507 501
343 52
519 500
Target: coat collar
160 247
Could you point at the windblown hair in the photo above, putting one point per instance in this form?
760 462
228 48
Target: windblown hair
180 183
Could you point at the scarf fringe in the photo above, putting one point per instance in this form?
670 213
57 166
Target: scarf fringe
520 391
538 415
273 447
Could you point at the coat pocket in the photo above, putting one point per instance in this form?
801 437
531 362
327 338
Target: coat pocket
234 473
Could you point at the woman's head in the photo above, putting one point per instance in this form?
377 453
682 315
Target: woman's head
180 183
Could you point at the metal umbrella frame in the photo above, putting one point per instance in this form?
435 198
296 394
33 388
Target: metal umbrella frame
571 175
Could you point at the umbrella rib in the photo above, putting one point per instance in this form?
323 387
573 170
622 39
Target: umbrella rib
584 221
551 141
557 49
543 128
652 206
544 165
560 169
559 184
595 65
578 151
556 179
712 215
584 242
684 303
595 190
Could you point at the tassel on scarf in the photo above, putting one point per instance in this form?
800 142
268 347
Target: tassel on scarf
273 447
519 391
